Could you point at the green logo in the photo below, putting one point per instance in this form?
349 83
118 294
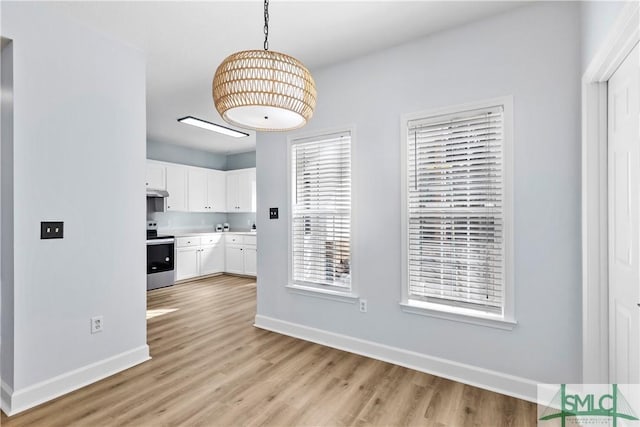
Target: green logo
588 407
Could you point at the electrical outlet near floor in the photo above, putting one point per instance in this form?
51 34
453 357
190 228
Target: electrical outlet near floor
363 305
97 324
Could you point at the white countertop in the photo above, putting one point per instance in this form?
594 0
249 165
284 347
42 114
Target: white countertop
190 233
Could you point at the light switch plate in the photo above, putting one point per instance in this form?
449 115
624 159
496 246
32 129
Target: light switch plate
51 230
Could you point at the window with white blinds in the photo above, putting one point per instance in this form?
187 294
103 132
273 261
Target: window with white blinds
321 211
455 211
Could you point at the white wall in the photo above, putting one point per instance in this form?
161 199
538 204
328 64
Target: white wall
79 150
596 18
531 53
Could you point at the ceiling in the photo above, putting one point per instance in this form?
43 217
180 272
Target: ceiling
185 41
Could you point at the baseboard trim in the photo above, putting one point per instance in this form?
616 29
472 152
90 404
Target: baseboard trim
15 401
5 395
498 382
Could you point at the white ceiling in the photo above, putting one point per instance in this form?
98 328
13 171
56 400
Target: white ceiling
185 41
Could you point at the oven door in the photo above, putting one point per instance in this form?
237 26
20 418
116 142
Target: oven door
160 255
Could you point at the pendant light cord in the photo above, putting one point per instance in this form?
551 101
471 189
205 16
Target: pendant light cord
266 24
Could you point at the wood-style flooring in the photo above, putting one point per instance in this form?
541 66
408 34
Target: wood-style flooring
211 367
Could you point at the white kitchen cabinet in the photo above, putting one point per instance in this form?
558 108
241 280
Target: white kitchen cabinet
207 190
240 254
199 256
234 261
250 256
187 262
217 191
177 188
155 179
241 190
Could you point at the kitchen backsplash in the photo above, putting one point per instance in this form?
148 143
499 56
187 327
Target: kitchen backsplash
202 221
241 221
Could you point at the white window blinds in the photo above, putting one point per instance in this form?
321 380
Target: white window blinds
455 210
321 210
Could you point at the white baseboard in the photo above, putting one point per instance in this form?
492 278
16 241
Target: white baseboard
510 385
15 401
5 395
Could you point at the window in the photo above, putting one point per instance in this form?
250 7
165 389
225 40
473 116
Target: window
321 212
457 225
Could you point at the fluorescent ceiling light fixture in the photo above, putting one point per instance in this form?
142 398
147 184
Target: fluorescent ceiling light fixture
193 121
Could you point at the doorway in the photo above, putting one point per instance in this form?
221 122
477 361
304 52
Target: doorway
623 140
600 162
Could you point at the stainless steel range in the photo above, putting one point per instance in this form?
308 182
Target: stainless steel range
160 258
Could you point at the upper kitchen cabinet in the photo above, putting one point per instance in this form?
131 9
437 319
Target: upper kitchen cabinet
207 190
177 188
241 190
155 176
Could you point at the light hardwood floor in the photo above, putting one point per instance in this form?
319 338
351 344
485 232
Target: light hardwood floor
211 367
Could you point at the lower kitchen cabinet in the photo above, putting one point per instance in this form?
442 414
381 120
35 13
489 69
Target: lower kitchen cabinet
240 252
199 256
234 260
211 259
187 265
250 261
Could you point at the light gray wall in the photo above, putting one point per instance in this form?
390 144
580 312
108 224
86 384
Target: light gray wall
184 155
79 155
241 160
531 53
6 213
596 19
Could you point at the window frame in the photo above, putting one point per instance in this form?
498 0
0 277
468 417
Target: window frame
335 293
450 312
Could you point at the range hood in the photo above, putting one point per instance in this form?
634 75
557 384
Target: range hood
157 193
156 200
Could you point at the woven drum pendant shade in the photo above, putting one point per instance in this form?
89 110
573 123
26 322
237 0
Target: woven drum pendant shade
264 90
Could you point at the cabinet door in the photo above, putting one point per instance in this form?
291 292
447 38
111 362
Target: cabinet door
177 188
216 191
232 192
247 191
155 176
234 262
198 191
211 259
187 263
250 261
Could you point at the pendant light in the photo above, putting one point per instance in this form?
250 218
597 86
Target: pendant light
264 90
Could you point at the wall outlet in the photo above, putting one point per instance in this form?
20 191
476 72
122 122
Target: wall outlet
363 305
97 323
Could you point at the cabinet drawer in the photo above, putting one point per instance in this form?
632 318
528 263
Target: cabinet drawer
212 239
233 239
182 242
249 240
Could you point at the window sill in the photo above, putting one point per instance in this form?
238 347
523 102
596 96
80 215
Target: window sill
330 294
476 319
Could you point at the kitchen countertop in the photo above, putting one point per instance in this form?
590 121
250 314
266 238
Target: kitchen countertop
190 233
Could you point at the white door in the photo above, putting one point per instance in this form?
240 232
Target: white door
187 262
624 221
